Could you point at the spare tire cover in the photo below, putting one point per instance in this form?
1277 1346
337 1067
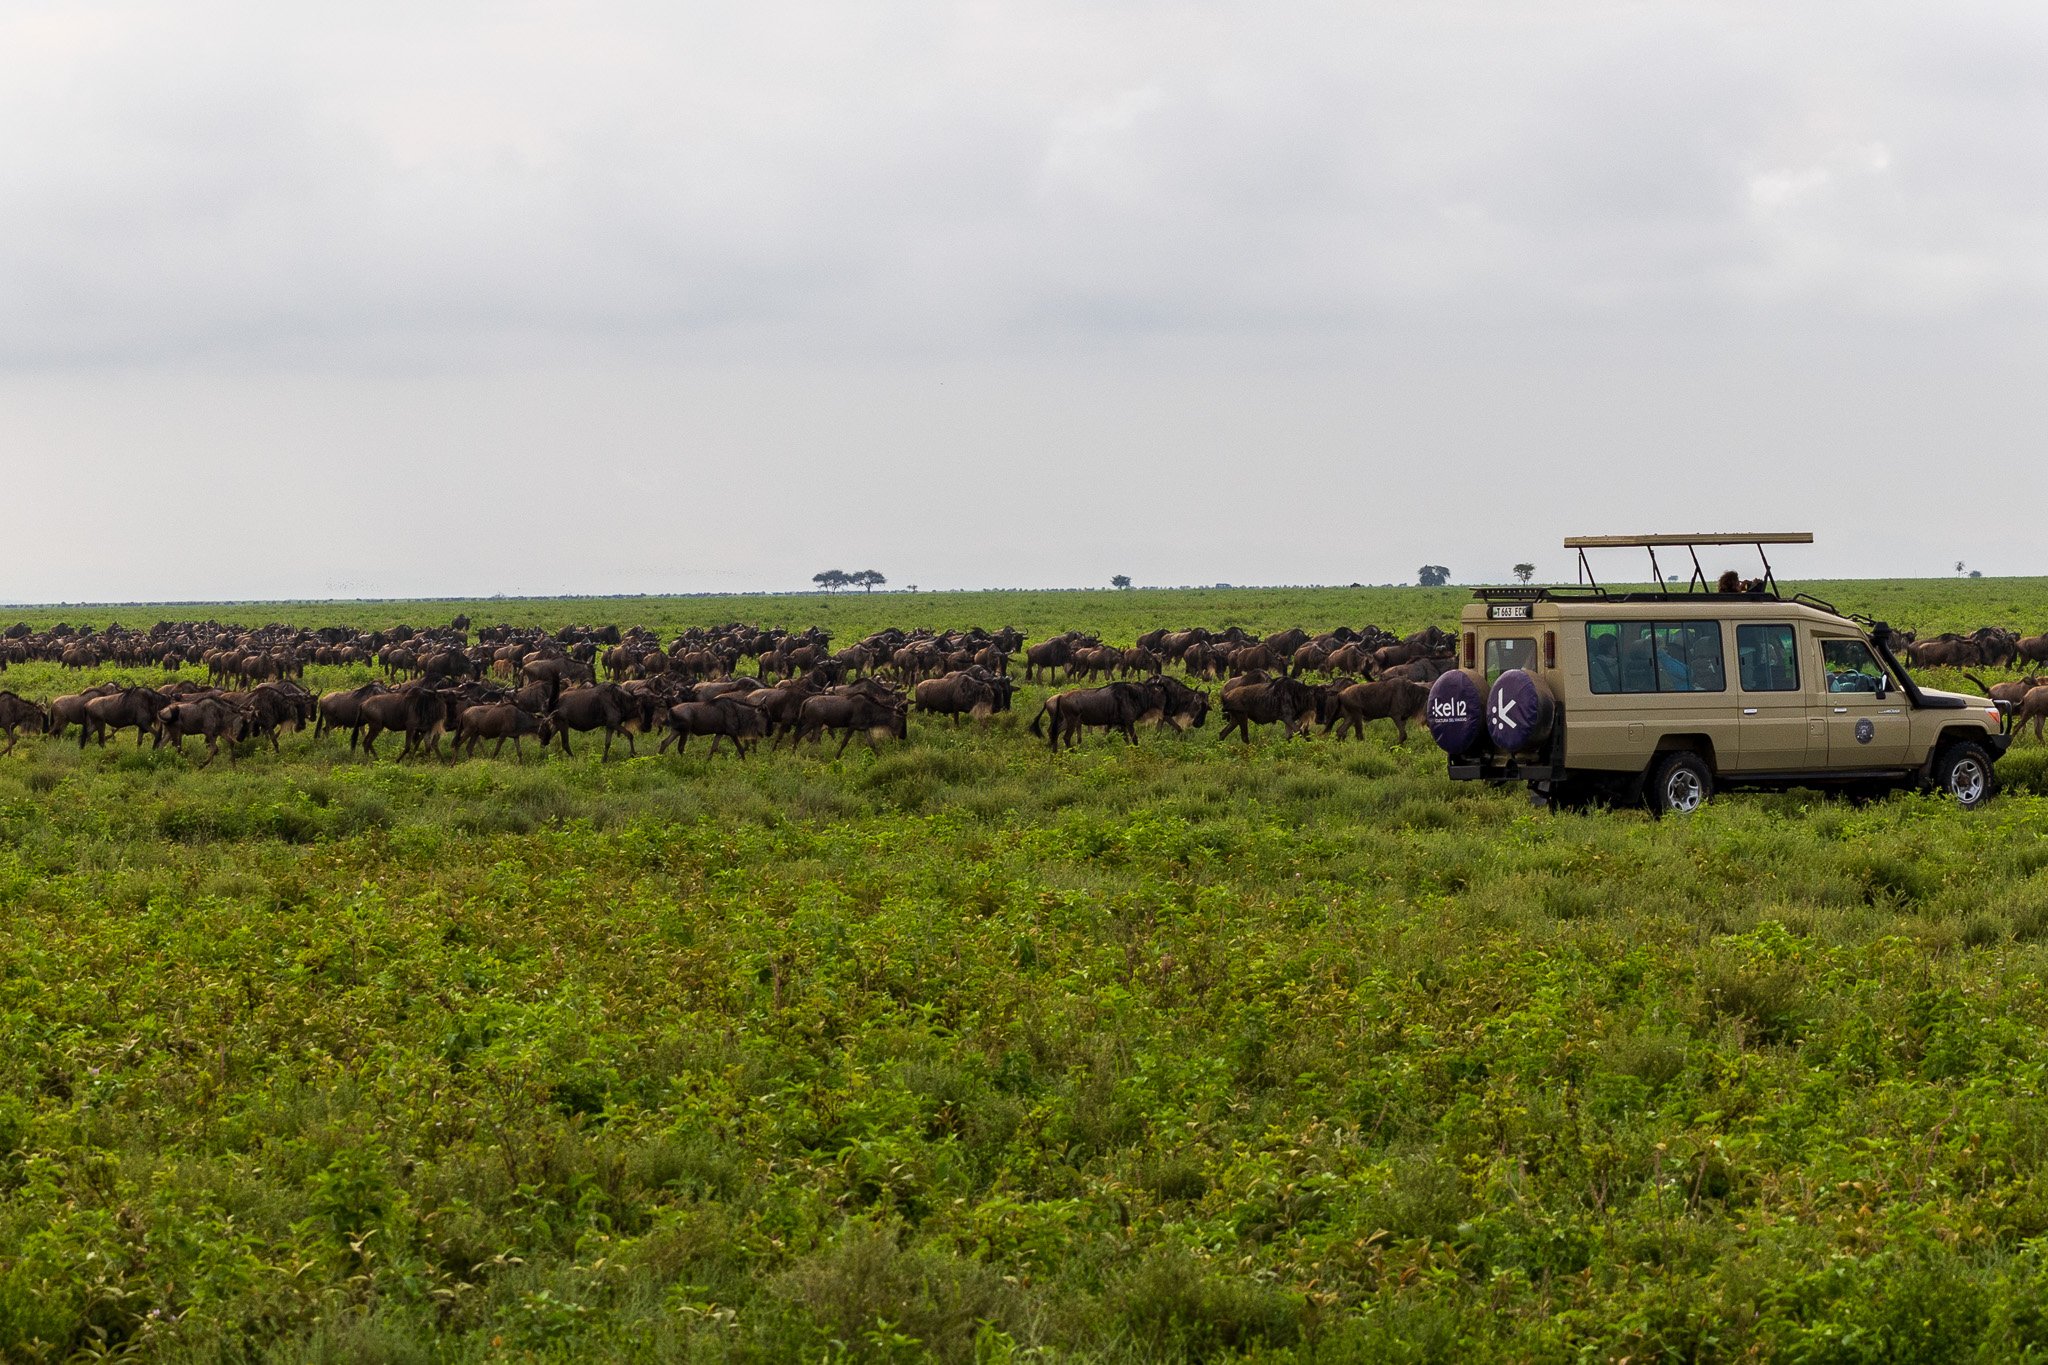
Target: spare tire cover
1456 712
1520 711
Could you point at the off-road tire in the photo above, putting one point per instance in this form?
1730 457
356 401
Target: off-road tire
1963 771
1679 783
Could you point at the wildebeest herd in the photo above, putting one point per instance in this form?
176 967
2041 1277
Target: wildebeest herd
735 684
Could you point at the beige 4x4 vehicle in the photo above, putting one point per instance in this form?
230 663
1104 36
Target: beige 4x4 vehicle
1659 696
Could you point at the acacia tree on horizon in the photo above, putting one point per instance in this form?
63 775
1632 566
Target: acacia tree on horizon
832 580
869 579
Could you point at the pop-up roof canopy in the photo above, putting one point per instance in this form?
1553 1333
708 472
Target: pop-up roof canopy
1699 581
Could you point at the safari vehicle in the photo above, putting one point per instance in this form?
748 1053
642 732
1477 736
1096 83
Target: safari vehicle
1660 695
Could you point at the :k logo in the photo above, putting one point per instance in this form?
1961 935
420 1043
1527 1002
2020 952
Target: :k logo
1504 712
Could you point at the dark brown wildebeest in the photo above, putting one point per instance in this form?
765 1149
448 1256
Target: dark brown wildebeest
605 706
131 707
69 710
1047 656
1115 706
723 718
956 695
1351 658
19 713
1184 708
213 718
420 713
2032 648
873 712
344 711
1251 700
1256 659
1096 661
1394 699
500 721
1140 662
1283 643
1310 658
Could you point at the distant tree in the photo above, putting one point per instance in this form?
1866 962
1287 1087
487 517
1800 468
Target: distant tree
1122 580
832 580
1976 573
1433 575
868 579
1525 572
1959 566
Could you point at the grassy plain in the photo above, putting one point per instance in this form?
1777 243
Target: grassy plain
965 1051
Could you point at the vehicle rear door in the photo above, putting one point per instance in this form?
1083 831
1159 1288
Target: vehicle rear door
1867 722
1774 698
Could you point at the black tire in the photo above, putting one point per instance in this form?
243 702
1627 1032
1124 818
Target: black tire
1963 770
1679 783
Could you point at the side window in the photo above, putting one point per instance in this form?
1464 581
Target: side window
1768 657
1689 657
1603 656
1638 657
1849 666
1502 655
1655 656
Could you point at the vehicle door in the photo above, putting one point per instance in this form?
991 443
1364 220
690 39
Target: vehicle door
1774 699
1867 722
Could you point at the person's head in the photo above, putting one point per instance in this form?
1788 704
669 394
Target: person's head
1731 581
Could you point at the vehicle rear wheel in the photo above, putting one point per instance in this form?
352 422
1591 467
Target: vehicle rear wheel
1964 772
1678 784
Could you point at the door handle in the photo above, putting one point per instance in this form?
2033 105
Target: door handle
1749 710
1841 710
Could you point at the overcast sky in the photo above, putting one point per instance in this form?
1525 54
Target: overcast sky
524 298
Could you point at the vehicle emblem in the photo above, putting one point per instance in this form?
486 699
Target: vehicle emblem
1504 713
1866 730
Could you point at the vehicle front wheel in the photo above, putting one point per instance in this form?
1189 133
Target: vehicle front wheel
1964 772
1678 784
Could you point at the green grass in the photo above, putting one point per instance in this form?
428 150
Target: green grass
968 1051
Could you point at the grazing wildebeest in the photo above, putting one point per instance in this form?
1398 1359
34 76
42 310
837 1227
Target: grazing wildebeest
1394 699
1047 655
131 707
500 721
722 718
877 714
19 713
213 718
1256 700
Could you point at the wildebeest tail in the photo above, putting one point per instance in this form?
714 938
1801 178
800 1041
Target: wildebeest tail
1982 686
1044 709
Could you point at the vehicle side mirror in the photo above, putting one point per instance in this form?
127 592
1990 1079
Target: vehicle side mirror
1884 686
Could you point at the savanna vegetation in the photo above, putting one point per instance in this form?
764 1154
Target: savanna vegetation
968 1051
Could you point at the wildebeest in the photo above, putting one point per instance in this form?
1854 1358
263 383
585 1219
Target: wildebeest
853 710
956 695
19 713
130 708
1115 706
1256 700
212 718
344 711
605 706
420 713
1394 699
722 718
500 721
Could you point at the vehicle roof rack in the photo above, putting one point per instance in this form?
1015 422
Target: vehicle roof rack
1699 582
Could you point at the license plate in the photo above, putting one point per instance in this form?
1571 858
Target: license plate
1508 611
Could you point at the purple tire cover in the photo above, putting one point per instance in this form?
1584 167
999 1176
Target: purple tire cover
1456 713
1519 711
